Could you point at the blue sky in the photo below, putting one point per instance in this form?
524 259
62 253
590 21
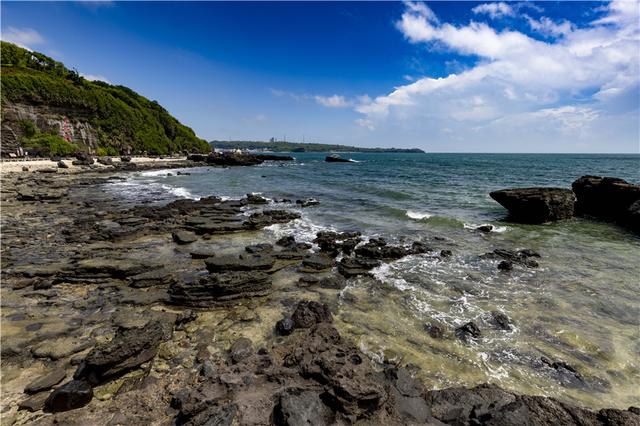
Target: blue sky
442 76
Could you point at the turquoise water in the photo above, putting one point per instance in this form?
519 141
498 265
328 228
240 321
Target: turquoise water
581 306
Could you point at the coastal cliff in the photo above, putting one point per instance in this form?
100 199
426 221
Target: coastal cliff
48 109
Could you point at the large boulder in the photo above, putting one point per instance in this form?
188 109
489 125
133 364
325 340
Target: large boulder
536 205
608 198
71 395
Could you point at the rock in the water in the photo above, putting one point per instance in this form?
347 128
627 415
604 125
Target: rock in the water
608 198
468 330
351 267
536 205
46 382
256 199
308 202
269 217
285 326
127 350
125 159
71 395
105 161
316 263
243 262
309 313
301 407
435 331
220 288
241 349
501 320
335 158
336 282
446 253
505 265
184 237
62 165
485 228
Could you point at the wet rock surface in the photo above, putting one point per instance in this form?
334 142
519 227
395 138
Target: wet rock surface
103 287
536 205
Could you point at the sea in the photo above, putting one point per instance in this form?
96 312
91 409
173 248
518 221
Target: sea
581 306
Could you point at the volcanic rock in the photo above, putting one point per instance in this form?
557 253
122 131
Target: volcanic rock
536 205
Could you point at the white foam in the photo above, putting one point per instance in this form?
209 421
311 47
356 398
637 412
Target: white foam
302 229
418 215
179 191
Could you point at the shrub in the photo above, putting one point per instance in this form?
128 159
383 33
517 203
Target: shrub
103 151
49 145
29 128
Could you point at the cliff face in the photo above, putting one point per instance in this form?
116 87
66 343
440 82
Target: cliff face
51 109
70 122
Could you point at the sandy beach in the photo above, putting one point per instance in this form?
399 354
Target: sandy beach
17 166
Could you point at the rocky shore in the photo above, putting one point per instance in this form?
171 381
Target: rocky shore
186 313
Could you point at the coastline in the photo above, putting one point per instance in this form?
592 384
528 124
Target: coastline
91 266
16 165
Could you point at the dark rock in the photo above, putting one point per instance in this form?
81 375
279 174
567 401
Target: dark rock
202 252
286 241
315 263
34 402
336 159
256 199
125 159
185 317
211 415
301 407
564 373
468 330
71 395
127 350
46 382
285 326
184 237
241 349
351 267
435 331
505 265
220 288
378 249
83 159
536 205
408 395
263 248
260 220
308 280
308 313
308 202
42 284
521 257
501 320
105 161
335 282
179 173
418 247
485 228
608 198
62 165
446 253
243 262
231 159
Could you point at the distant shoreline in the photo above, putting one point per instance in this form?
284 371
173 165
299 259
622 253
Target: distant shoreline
305 147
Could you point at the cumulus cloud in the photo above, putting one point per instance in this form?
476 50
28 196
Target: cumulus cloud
494 10
578 80
23 37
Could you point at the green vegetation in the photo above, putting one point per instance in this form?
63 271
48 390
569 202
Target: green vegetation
302 147
49 145
122 117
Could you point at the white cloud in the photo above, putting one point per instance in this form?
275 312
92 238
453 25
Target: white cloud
23 37
582 80
335 101
494 10
92 77
547 27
